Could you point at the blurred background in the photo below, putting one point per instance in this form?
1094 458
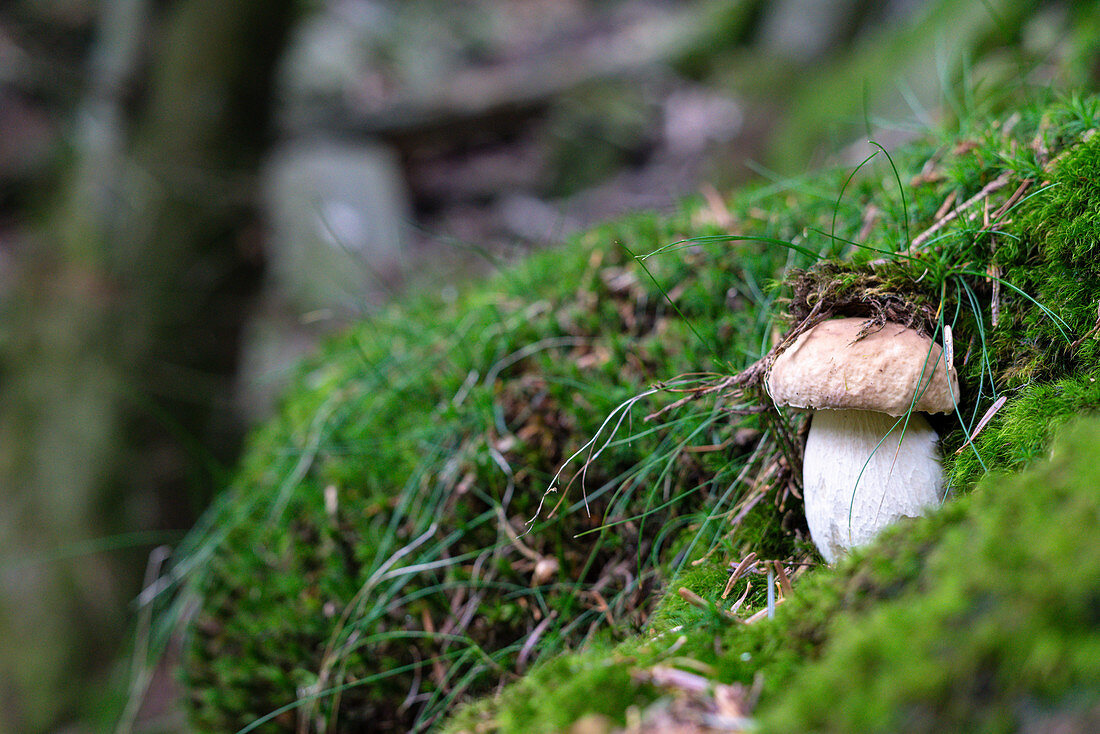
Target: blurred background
194 192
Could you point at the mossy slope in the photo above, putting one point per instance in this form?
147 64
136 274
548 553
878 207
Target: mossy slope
367 541
998 631
974 619
982 618
364 570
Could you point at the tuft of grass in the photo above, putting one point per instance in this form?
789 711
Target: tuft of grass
1001 254
376 558
398 509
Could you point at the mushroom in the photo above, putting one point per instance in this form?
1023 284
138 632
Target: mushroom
870 456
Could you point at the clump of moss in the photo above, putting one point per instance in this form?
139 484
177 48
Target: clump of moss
886 292
1020 432
998 631
380 512
1003 223
366 567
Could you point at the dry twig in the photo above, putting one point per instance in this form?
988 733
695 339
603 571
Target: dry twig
989 188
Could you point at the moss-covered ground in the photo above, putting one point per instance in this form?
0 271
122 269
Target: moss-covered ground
983 617
391 546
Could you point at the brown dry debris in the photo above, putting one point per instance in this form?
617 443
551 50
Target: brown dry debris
945 219
694 704
538 419
829 290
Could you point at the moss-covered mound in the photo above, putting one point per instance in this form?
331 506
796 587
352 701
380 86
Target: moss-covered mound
997 626
365 565
370 565
983 618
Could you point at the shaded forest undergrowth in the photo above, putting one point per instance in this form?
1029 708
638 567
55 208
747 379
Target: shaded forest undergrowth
457 490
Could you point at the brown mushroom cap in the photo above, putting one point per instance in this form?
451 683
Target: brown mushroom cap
827 368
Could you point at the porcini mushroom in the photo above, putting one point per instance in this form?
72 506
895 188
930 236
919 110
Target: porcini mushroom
865 464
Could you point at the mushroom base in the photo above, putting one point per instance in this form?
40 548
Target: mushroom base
854 486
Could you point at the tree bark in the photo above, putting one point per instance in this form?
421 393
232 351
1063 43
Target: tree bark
114 383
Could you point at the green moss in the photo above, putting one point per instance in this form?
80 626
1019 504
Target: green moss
597 682
1020 432
998 630
982 617
362 567
706 580
372 508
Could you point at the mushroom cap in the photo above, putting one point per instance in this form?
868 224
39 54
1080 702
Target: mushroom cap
827 368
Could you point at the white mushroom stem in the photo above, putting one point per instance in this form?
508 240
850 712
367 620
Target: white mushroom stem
855 486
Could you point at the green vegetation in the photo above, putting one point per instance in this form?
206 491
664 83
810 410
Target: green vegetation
980 618
365 565
887 642
380 510
996 631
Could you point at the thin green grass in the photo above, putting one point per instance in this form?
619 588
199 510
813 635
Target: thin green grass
410 549
956 294
393 516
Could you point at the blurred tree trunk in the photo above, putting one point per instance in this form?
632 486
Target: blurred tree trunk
115 383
